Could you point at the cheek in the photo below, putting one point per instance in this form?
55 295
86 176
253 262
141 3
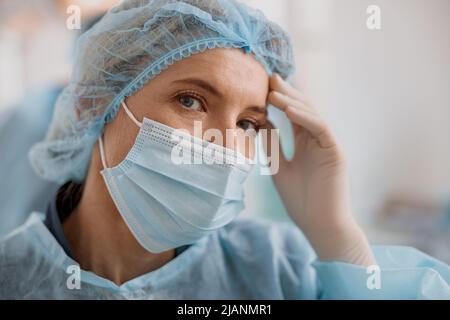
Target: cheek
246 145
119 138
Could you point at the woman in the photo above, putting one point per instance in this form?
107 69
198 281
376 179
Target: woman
130 222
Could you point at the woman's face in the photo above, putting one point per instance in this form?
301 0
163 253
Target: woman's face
220 88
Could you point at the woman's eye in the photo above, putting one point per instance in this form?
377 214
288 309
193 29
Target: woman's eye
248 125
190 102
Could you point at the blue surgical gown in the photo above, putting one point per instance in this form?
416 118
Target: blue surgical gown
246 259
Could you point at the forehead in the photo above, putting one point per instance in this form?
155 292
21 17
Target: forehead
230 71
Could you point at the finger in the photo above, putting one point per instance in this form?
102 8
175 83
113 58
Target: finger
270 140
278 84
317 127
282 102
311 120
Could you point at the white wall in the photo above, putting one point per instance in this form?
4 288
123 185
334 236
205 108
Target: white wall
390 98
386 93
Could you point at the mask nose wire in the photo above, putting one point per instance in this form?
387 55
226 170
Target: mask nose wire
100 139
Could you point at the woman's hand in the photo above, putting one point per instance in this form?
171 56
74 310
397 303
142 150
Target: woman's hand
313 184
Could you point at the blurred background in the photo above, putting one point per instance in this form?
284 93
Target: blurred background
385 92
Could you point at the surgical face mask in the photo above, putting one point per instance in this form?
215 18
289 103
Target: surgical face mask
167 203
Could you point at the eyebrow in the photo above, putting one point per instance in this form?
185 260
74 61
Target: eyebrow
208 87
202 84
258 109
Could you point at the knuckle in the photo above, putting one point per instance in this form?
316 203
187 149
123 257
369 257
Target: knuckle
273 96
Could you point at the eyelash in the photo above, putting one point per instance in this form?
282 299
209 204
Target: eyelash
194 95
255 123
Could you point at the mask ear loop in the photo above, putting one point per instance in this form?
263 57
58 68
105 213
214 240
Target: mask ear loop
130 115
100 139
102 151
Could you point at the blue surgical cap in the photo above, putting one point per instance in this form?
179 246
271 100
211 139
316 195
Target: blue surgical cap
128 47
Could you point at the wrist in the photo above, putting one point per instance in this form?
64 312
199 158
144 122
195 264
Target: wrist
343 242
